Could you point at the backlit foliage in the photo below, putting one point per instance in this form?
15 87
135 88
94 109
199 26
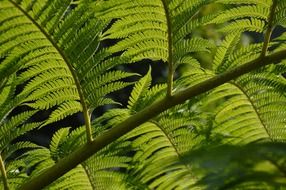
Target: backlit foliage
54 57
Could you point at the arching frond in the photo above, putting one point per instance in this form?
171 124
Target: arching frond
59 45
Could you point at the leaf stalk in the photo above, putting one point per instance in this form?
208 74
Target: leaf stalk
170 50
269 29
4 174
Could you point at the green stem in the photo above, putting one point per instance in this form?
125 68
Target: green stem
170 50
4 175
87 150
71 69
269 29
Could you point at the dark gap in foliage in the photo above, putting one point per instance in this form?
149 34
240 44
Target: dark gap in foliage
278 31
44 135
255 36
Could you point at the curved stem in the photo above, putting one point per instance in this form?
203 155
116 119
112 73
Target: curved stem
170 50
269 29
71 69
4 175
81 154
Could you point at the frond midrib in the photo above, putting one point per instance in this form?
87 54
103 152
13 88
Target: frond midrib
88 175
70 67
170 49
171 142
254 108
3 174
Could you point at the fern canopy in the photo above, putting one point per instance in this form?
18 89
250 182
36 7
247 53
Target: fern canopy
55 58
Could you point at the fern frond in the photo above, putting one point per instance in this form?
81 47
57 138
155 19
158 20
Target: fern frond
192 24
225 49
111 118
243 115
75 139
33 69
19 146
280 13
134 26
7 93
51 87
139 91
252 24
104 79
157 145
9 127
95 97
56 142
99 171
143 28
65 109
230 54
53 56
241 55
154 94
185 18
43 158
158 148
75 179
242 12
49 40
55 98
264 3
189 46
29 46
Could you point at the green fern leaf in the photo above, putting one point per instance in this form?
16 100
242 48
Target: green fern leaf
56 142
139 91
65 109
253 25
279 17
242 12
